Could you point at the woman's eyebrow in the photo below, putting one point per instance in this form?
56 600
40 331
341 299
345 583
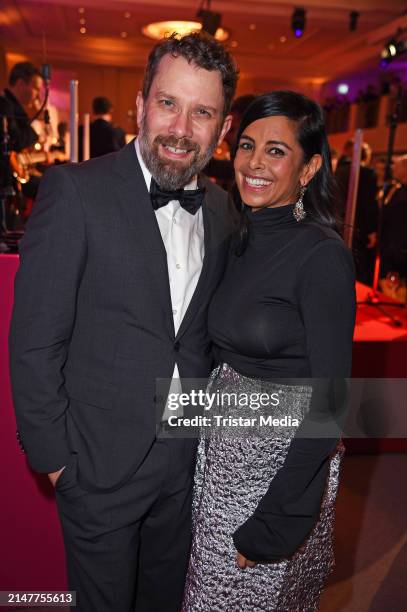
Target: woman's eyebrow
274 142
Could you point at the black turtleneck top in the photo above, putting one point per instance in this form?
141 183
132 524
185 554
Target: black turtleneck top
286 309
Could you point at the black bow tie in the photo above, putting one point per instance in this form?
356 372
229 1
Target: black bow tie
189 199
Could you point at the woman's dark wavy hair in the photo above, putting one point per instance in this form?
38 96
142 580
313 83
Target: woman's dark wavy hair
320 197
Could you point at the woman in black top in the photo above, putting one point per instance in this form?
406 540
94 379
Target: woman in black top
284 312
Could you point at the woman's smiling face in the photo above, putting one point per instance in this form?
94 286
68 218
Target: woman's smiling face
269 163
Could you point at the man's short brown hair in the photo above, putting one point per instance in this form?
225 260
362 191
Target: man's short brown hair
200 49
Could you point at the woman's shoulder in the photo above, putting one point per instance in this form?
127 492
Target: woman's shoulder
325 248
316 235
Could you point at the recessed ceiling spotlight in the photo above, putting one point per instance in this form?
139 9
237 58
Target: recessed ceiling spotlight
123 34
283 39
82 30
127 15
81 10
82 21
234 44
252 27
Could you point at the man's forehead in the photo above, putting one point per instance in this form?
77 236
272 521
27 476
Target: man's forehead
177 76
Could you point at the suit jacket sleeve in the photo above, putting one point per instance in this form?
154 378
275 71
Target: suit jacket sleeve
52 259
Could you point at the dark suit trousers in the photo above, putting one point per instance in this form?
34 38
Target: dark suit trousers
128 550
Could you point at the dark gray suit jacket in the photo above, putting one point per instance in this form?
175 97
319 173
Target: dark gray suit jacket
92 326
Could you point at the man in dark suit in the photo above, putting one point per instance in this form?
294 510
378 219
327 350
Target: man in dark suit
104 136
24 88
366 215
111 294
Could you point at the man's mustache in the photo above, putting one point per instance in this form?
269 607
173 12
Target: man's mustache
177 143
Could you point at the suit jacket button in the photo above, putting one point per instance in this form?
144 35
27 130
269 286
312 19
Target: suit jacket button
177 346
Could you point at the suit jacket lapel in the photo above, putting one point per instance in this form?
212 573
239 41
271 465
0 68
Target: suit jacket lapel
136 204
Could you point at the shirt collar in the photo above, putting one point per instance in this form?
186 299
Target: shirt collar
147 174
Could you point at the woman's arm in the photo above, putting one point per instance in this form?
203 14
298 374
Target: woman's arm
289 510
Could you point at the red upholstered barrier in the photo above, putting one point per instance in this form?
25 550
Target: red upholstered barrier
31 547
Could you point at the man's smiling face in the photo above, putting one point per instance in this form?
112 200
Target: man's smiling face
181 121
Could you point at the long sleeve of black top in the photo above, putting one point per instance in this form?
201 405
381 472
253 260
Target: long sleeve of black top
300 307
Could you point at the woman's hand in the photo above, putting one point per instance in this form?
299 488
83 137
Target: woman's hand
243 562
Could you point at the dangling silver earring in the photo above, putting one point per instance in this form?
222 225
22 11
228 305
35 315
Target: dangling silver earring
299 212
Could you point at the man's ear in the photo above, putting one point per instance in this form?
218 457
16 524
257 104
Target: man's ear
225 128
140 108
310 169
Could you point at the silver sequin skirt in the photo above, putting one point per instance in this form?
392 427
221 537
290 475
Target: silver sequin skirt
233 473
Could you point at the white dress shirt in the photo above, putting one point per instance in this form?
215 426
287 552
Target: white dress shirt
183 238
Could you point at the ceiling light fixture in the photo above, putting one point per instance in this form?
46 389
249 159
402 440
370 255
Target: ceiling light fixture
161 29
298 22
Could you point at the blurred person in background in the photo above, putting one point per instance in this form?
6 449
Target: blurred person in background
394 234
23 93
105 137
366 215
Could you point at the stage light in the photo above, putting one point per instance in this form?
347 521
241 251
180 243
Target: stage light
210 21
391 50
353 20
298 22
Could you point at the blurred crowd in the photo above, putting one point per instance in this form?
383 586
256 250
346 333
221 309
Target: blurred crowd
36 139
367 100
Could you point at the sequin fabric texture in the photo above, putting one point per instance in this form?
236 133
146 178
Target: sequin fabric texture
233 473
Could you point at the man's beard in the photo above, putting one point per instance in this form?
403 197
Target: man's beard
173 175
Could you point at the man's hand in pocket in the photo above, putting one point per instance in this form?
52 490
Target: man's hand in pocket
53 476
